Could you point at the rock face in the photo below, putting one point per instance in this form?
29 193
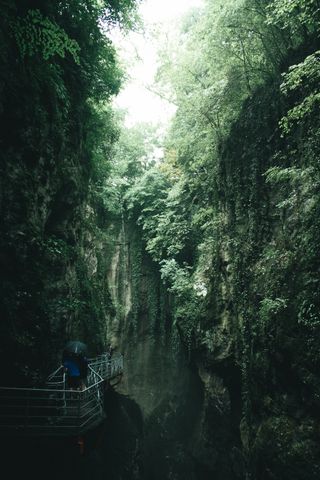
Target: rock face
241 399
189 414
51 268
52 278
272 331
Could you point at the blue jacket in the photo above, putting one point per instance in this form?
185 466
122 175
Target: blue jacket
72 367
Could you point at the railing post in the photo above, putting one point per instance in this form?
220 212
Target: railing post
26 423
79 410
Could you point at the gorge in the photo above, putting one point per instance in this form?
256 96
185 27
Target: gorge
202 268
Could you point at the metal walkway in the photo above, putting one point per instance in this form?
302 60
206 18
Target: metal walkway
55 409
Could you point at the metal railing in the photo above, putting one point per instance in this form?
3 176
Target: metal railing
106 367
55 409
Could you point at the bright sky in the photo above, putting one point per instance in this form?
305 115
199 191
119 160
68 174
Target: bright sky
140 52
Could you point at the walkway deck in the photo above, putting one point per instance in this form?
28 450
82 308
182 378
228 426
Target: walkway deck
56 410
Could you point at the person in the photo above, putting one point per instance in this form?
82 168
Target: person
75 362
72 369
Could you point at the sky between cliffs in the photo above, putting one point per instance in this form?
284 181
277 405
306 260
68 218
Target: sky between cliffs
138 51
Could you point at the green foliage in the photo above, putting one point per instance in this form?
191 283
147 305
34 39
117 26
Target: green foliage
130 156
121 12
296 114
179 278
271 307
146 197
301 80
222 57
54 247
37 34
294 13
305 74
292 174
308 315
231 216
58 72
170 228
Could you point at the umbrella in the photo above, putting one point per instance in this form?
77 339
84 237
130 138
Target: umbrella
76 347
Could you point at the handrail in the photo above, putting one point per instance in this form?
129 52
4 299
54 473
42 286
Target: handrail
58 411
54 373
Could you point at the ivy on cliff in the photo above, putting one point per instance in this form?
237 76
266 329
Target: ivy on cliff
59 72
231 215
